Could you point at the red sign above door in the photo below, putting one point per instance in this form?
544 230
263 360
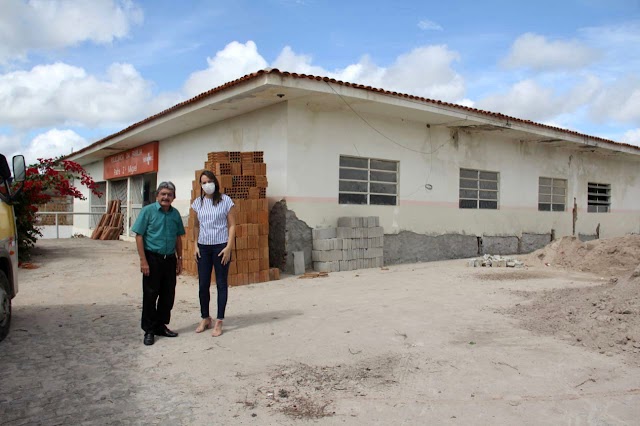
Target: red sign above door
143 159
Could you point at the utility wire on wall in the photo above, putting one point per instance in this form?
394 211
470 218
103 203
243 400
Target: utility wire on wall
427 185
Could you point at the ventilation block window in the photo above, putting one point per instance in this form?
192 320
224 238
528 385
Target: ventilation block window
598 197
368 181
552 194
478 189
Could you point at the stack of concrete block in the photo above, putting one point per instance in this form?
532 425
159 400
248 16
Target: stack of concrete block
495 261
357 243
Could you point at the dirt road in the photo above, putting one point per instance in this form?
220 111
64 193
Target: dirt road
414 344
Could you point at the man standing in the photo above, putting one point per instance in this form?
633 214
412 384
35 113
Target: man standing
158 230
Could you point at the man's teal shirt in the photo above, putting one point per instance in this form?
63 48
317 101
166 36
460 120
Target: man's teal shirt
159 229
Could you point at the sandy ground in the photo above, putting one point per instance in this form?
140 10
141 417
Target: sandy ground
432 343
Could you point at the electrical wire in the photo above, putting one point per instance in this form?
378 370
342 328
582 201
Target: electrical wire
378 131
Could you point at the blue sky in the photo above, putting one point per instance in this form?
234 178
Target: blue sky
93 67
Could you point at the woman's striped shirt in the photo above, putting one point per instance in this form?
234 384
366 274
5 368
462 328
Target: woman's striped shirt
213 219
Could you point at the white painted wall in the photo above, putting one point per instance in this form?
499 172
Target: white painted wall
430 155
302 141
261 130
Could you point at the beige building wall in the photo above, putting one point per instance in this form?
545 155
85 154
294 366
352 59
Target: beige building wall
433 155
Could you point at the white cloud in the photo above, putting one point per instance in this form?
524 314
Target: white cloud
61 94
425 71
426 25
531 100
54 24
536 52
632 137
232 62
53 144
9 145
525 99
619 101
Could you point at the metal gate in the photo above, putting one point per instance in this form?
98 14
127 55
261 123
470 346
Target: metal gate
98 205
137 198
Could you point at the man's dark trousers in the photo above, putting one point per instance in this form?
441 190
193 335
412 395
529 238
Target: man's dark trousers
158 291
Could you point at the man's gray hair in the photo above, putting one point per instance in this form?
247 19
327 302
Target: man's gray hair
166 185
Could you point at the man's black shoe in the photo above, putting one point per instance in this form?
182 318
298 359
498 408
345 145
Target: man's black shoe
149 339
166 332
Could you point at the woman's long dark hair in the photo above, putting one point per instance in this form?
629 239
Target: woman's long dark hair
217 196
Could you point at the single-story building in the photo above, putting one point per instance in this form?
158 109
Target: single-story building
445 180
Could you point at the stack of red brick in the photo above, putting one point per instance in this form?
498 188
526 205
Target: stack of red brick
110 225
243 177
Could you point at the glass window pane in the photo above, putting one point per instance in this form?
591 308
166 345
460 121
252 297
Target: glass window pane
560 183
559 191
544 181
558 199
489 175
488 195
544 207
558 207
591 208
468 184
383 200
466 173
489 205
351 186
384 165
353 174
352 199
545 190
468 204
383 188
383 176
485 184
544 198
468 193
362 163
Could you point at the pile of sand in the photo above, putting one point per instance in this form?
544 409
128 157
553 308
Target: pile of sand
606 317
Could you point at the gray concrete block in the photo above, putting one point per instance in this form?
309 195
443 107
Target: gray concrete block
533 242
587 237
348 222
499 245
326 266
372 252
344 232
372 221
324 233
298 263
326 255
377 231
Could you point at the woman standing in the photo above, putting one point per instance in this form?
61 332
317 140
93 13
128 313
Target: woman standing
215 232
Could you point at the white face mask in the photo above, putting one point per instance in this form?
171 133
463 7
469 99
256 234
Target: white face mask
209 188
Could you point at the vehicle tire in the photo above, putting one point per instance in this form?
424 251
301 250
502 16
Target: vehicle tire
5 306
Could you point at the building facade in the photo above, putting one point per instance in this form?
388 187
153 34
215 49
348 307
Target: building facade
445 180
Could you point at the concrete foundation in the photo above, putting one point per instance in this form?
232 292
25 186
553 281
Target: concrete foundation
499 245
409 247
533 242
287 234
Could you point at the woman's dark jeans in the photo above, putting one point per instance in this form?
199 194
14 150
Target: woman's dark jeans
209 261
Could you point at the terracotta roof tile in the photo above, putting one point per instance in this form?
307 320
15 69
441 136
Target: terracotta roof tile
257 74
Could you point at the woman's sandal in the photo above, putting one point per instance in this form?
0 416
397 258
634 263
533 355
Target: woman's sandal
217 329
204 324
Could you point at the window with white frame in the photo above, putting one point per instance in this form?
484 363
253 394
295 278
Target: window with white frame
368 181
552 194
478 189
598 197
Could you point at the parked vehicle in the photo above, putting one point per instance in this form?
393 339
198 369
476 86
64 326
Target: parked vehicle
8 238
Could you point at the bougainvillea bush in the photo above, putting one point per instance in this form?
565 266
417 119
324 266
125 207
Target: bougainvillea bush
45 179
